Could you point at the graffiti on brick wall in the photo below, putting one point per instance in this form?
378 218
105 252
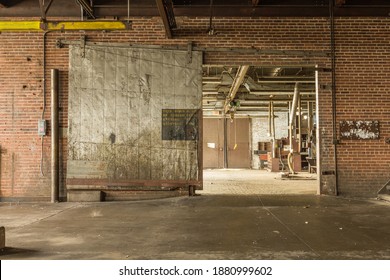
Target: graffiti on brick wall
359 130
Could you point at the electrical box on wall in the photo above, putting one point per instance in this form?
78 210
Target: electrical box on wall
41 127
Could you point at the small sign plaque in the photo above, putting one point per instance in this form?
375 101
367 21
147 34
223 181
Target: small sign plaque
180 124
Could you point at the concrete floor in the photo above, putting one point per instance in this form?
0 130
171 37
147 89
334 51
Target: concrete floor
233 218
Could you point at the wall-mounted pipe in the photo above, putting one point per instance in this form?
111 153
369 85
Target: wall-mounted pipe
273 130
54 136
269 120
299 123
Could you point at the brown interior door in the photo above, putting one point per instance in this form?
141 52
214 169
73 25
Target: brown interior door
212 143
238 143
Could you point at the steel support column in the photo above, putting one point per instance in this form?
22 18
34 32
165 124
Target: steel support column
54 136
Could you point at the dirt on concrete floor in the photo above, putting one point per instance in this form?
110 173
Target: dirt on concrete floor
249 182
236 222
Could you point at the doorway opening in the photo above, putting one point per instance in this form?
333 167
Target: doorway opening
260 129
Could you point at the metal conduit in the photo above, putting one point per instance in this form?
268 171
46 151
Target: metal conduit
291 124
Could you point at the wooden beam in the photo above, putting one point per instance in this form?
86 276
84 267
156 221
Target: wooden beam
165 9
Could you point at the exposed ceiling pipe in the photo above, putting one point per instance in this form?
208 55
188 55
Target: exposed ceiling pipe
280 93
238 79
285 80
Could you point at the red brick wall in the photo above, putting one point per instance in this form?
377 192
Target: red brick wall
362 89
363 84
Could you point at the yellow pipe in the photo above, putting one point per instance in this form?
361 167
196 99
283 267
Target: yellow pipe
33 25
61 25
86 25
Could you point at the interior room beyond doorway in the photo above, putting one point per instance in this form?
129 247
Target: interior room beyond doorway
261 118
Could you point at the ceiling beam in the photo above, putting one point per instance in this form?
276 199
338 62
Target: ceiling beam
44 9
165 9
66 8
238 79
282 11
86 8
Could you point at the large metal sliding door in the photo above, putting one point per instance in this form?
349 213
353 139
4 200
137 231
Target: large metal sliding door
134 117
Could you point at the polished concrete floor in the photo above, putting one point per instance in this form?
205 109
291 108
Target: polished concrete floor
241 214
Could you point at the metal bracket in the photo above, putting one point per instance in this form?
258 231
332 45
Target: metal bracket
323 69
59 44
189 53
82 45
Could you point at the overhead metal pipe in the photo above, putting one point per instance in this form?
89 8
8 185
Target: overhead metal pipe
54 136
239 78
294 104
